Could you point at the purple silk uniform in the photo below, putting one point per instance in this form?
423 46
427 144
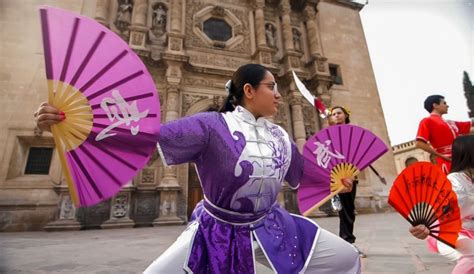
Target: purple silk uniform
242 164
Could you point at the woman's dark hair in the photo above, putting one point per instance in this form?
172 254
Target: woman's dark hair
463 153
430 100
347 120
247 74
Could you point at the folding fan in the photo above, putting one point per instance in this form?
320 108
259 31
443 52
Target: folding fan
109 100
422 194
334 153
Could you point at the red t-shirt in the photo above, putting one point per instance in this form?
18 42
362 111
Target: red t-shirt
440 134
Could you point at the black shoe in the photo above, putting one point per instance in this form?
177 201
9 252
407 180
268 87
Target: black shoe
361 254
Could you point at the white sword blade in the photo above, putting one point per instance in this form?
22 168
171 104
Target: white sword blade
304 91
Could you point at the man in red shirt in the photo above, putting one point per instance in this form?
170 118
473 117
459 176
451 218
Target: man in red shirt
436 135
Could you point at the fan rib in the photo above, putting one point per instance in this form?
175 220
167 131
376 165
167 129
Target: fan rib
340 141
74 98
442 223
124 130
79 125
46 44
431 197
137 97
70 48
80 191
442 240
358 146
407 207
121 144
86 173
350 142
333 160
423 194
417 198
103 116
62 93
438 204
88 57
66 136
97 162
113 155
405 183
114 85
103 71
365 152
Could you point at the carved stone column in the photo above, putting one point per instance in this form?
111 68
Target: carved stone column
139 29
260 23
313 31
102 12
296 105
120 210
176 15
146 200
176 34
169 186
66 218
285 10
291 58
264 53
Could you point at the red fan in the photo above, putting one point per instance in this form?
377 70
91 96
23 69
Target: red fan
422 194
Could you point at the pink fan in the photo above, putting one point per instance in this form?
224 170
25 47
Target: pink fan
109 100
332 154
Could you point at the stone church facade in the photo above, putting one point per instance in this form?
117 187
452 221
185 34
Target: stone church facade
191 48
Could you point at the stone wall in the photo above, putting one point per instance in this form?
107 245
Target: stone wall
189 69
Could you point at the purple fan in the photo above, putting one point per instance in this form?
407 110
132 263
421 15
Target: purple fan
110 103
332 154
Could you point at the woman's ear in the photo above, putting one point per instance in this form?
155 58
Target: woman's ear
249 91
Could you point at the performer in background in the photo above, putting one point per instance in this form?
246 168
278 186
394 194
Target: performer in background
242 160
436 135
462 182
340 115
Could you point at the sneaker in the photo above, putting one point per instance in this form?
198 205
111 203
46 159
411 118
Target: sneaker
336 203
361 254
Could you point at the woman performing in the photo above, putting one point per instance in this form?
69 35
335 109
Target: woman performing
461 177
338 116
242 160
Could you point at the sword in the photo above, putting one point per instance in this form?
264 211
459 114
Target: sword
382 179
313 100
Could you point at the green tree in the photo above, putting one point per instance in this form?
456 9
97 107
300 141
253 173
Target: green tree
469 93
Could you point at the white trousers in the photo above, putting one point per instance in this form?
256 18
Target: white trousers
332 255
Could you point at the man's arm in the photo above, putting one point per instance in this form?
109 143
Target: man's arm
428 148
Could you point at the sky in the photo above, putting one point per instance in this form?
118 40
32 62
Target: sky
419 48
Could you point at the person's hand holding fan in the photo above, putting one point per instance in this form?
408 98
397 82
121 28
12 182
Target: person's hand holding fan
423 195
332 155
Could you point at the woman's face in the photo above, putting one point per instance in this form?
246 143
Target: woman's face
338 117
266 96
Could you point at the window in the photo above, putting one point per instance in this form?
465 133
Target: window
39 160
335 72
217 29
